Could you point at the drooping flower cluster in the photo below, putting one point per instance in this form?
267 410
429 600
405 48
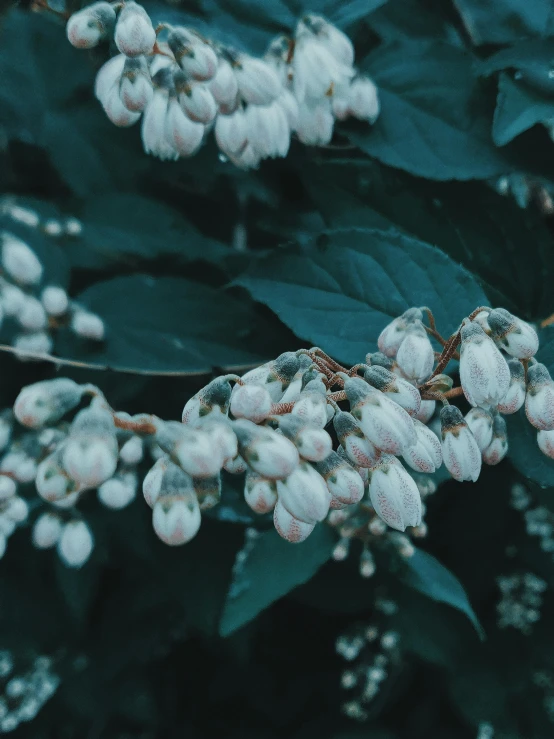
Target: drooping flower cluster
23 693
521 601
186 85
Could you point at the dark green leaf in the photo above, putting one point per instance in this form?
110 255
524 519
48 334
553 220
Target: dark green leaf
503 21
518 108
533 58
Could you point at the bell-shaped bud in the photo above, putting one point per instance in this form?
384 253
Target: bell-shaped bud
401 391
19 261
281 373
290 107
288 527
47 530
383 422
395 332
195 99
46 402
183 135
118 491
484 373
259 493
7 488
251 401
208 491
317 73
16 509
343 481
498 448
75 544
235 466
132 451
167 478
516 337
215 396
545 440
231 134
52 481
313 442
311 407
20 465
415 356
258 84
224 87
32 316
87 325
315 122
267 452
89 26
515 397
223 437
135 88
304 494
356 445
426 410
480 422
460 451
176 518
134 33
363 99
55 300
91 451
426 454
192 449
394 494
196 58
154 130
539 400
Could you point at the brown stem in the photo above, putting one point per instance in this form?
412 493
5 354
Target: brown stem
434 395
279 409
477 311
329 360
447 353
453 393
145 428
338 396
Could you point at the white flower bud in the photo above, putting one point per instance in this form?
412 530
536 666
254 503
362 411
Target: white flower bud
7 487
426 411
32 315
288 527
516 337
426 454
75 544
155 127
394 494
196 58
68 502
108 77
135 87
52 481
90 25
313 443
268 130
215 398
498 448
484 373
183 135
317 71
193 450
290 107
20 262
165 478
260 493
292 393
134 33
13 299
236 466
357 446
224 87
251 401
539 400
38 342
119 491
47 531
304 494
132 451
6 425
401 391
195 99
222 436
460 451
91 451
363 100
52 227
176 518
20 465
258 84
46 402
268 453
383 422
73 227
87 325
480 423
208 491
231 133
515 397
396 331
118 114
415 356
315 122
343 481
333 40
7 525
55 300
311 407
545 440
16 509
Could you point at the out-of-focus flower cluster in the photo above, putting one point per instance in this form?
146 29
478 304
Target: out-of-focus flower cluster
37 308
526 190
539 521
186 85
544 681
521 601
23 692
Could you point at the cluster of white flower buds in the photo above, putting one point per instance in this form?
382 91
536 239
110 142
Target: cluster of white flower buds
527 189
25 693
186 85
56 228
544 681
373 651
521 601
485 730
539 521
33 307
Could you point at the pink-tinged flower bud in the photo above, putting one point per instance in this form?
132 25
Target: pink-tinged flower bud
183 135
357 446
480 423
268 453
288 527
484 373
46 402
482 318
317 71
313 442
87 325
19 261
334 41
545 440
167 478
231 134
236 466
55 300
208 491
119 491
288 103
75 544
13 299
304 494
135 88
52 481
7 487
195 99
132 451
176 518
19 464
426 411
395 332
134 33
91 452
16 509
222 436
394 494
539 400
343 481
315 122
47 531
460 451
401 391
415 356
32 316
259 493
224 87
516 337
258 84
498 448
215 397
292 393
426 454
90 25
196 59
251 401
154 128
193 450
515 397
363 99
311 407
383 422
108 77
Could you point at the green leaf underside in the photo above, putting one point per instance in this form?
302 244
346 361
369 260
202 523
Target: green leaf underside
518 108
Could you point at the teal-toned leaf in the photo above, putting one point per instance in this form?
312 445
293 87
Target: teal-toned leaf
342 289
427 575
273 567
518 108
505 21
532 58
